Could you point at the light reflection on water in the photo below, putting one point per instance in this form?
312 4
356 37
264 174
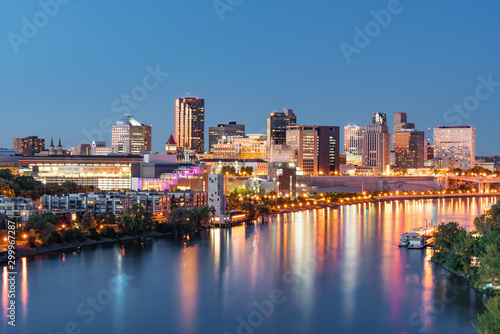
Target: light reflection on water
340 270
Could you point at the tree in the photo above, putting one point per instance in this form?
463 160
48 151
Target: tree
465 250
5 189
446 236
136 220
489 255
88 220
484 223
6 174
489 321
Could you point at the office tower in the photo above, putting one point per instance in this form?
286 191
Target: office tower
190 124
128 136
377 147
304 140
353 139
222 131
328 149
409 148
400 123
379 118
29 146
277 123
456 143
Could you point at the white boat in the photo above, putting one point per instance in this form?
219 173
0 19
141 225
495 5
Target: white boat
419 237
404 239
420 242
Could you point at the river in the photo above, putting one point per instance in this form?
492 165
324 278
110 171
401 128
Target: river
319 271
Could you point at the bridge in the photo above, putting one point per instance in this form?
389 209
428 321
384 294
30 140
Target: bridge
483 184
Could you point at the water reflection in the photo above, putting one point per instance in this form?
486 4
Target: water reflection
340 270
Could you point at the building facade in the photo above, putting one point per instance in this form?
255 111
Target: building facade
249 147
409 148
128 136
379 118
456 143
377 147
190 124
277 124
29 146
304 140
223 131
353 139
328 150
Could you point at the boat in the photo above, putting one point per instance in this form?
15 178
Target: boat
404 239
420 242
418 238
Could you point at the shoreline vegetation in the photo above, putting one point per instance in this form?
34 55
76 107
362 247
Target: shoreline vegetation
45 234
475 256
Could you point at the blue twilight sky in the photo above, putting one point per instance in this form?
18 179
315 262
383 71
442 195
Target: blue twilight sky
61 78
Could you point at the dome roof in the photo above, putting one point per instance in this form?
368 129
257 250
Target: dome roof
128 119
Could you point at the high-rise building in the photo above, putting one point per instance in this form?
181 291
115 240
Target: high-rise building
29 146
400 123
304 140
353 139
409 148
222 131
328 149
190 124
377 147
379 118
128 136
456 143
277 123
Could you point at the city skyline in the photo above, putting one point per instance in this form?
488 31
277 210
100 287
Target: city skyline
60 86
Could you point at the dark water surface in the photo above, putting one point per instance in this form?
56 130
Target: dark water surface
321 271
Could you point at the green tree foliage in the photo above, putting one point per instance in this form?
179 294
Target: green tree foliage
230 170
249 209
489 321
39 223
136 221
73 234
447 235
88 220
484 223
465 250
489 255
6 175
92 234
186 220
108 232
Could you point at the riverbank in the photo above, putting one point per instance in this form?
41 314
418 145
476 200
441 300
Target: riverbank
491 291
24 251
